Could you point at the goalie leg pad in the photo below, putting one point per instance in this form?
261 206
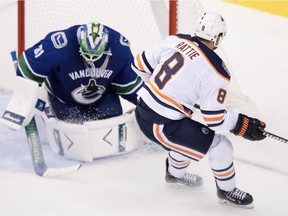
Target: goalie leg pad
93 139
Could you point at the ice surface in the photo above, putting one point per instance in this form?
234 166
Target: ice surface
133 184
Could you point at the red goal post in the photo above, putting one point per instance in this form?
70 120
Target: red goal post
144 22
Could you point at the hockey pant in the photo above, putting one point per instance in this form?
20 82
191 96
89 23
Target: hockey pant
186 139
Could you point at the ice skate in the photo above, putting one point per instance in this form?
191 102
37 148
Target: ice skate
188 180
235 198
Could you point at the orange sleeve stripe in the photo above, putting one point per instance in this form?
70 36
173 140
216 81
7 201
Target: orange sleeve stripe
139 63
214 118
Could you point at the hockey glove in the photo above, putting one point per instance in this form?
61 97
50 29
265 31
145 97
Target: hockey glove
249 128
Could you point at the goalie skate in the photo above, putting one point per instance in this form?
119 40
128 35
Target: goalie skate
189 180
236 198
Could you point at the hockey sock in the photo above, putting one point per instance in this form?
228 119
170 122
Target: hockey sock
221 162
177 164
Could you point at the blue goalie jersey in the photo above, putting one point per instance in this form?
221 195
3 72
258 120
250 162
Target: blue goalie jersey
56 61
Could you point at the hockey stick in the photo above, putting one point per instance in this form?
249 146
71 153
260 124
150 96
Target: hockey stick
39 164
35 148
265 133
273 136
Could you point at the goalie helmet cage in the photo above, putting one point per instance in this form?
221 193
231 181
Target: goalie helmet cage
144 22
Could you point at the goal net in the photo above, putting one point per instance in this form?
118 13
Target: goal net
145 23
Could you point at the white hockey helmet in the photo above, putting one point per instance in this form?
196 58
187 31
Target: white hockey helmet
93 40
209 26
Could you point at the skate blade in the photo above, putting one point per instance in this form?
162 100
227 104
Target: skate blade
228 203
179 186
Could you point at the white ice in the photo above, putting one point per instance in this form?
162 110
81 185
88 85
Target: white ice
256 44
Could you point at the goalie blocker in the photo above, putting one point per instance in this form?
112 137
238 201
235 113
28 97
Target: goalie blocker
27 100
84 142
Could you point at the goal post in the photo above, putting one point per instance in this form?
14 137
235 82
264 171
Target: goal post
21 26
172 17
144 23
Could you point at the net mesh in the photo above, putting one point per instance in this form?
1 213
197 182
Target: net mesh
145 23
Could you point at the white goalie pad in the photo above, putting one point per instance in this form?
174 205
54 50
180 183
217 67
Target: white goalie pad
27 98
94 139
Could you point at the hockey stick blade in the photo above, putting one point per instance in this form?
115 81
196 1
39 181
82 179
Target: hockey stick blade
273 136
52 172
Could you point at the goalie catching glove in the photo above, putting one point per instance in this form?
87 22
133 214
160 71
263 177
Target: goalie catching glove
249 128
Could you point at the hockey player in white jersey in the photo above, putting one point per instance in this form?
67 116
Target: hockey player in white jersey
180 72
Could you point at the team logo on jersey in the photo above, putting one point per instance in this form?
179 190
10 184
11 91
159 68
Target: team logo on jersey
124 41
59 40
88 94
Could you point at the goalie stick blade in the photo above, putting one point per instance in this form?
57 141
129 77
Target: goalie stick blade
44 171
39 164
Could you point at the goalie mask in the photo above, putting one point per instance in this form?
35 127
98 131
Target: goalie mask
93 40
209 26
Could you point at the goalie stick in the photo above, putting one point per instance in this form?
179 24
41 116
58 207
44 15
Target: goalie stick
36 151
39 164
265 133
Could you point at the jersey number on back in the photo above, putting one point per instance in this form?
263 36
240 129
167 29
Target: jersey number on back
170 67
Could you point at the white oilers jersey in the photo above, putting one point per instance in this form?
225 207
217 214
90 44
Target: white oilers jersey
181 72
